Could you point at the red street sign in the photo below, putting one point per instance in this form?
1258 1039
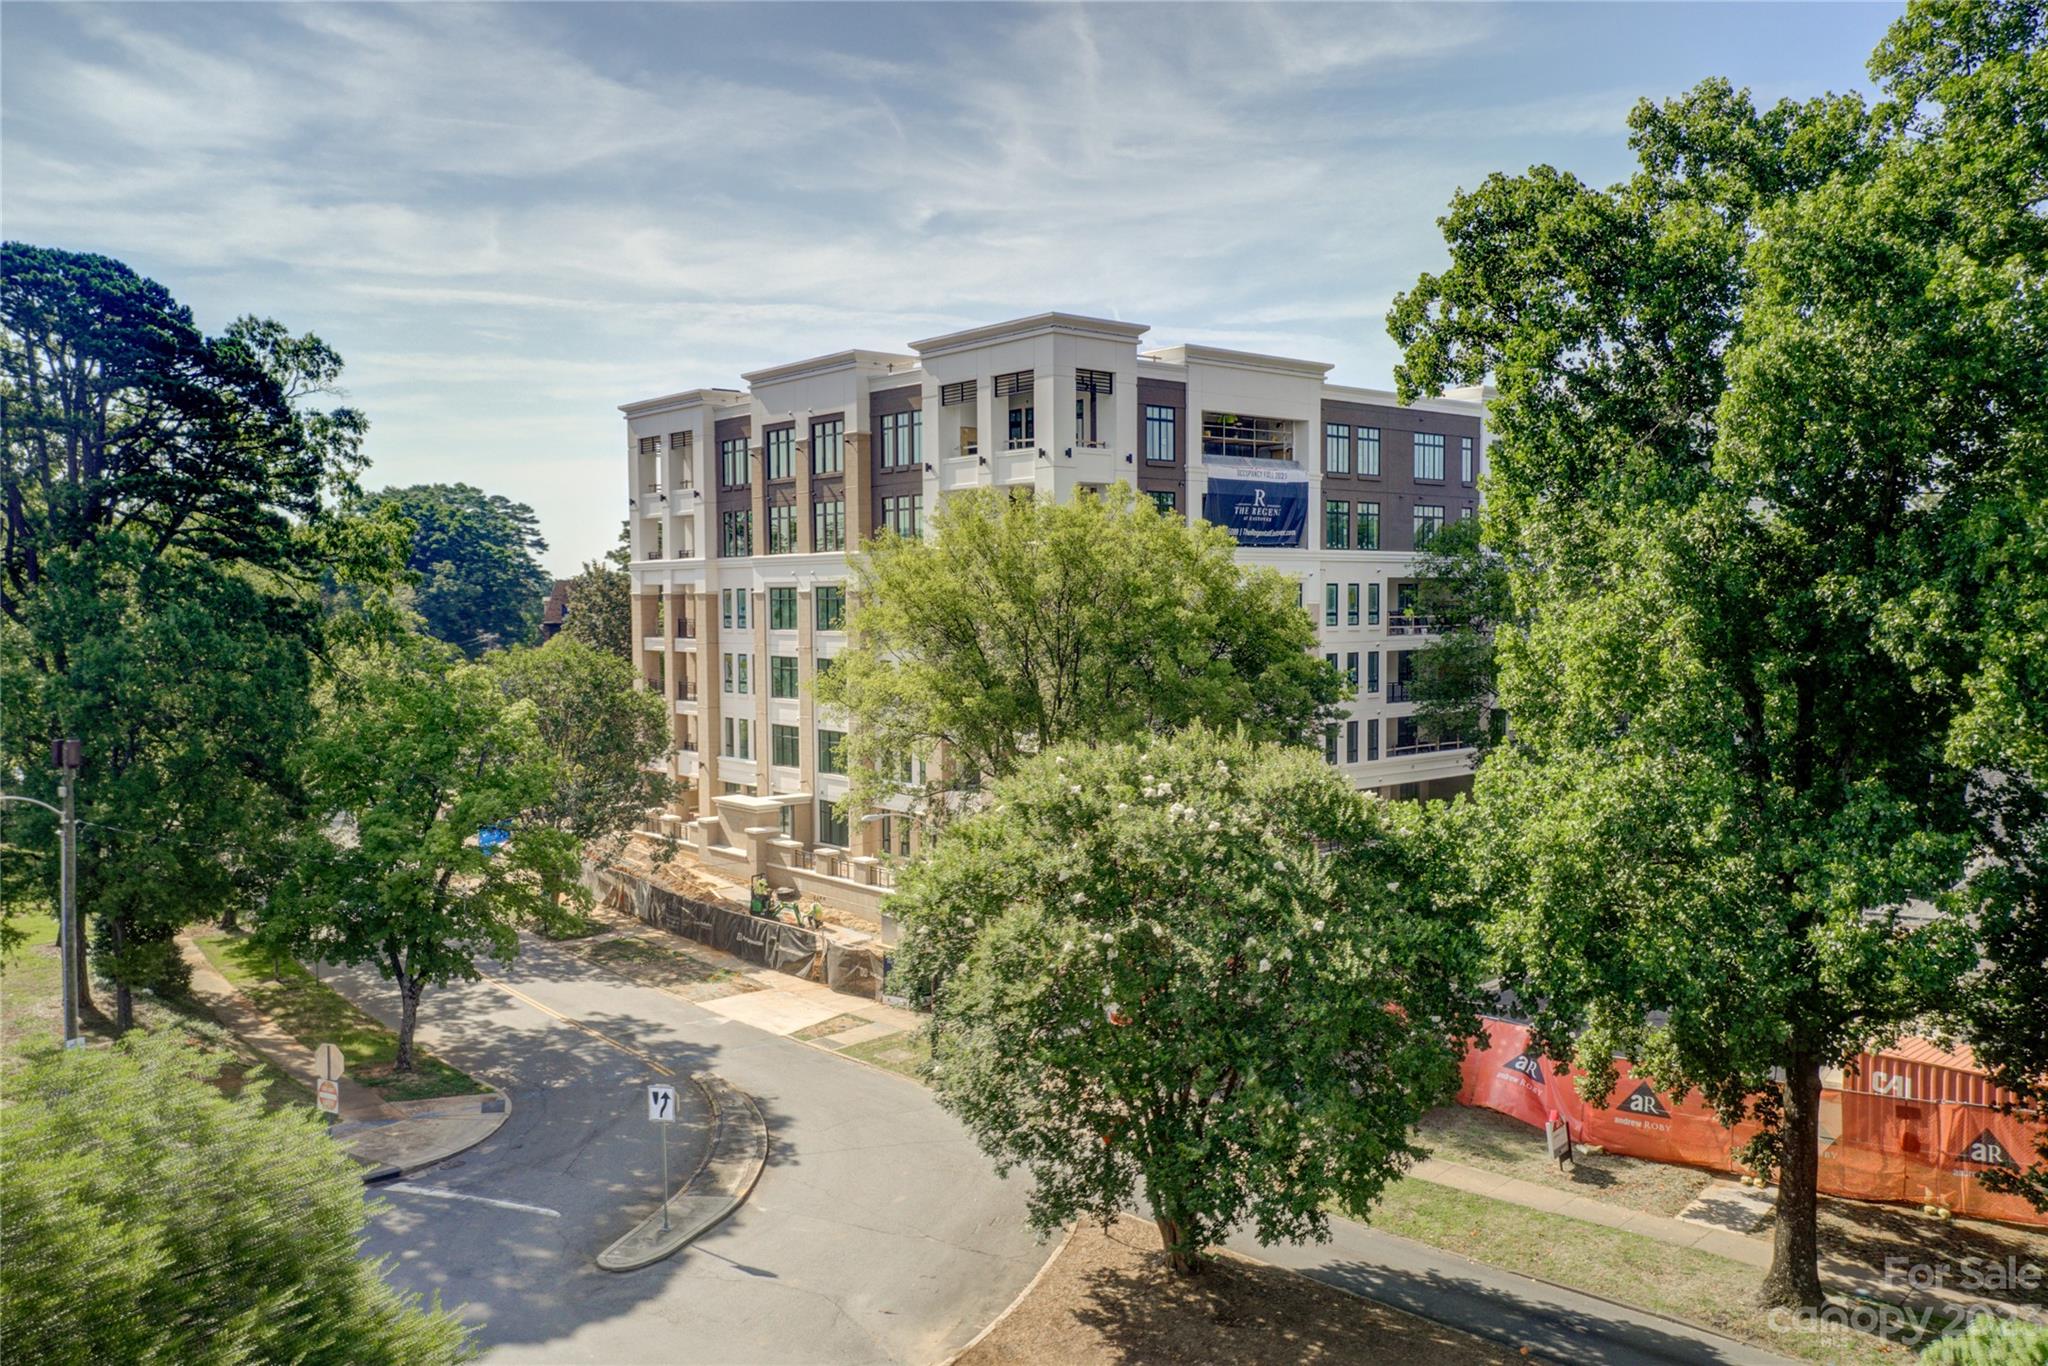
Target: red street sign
328 1093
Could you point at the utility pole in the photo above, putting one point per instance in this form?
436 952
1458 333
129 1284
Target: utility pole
68 755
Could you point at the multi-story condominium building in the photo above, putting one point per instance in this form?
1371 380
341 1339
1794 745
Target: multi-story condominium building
744 506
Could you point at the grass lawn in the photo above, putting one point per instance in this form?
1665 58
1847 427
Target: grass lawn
1713 1292
315 1014
904 1053
31 1018
1495 1143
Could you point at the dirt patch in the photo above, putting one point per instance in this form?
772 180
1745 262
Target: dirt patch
838 1024
1495 1143
1110 1298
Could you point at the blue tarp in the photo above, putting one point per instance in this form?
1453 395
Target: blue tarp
1260 509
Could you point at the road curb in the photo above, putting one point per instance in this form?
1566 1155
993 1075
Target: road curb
408 1164
726 1176
1014 1305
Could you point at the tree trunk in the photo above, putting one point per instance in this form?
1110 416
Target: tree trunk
409 990
1178 1241
227 919
1793 1281
124 999
82 952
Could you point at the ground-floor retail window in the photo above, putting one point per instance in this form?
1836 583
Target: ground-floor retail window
831 825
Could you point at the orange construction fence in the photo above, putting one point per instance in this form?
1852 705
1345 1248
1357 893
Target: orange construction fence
1919 1129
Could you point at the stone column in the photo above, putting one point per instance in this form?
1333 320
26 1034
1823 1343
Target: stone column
709 733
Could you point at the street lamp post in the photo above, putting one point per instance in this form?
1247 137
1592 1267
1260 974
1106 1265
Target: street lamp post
66 757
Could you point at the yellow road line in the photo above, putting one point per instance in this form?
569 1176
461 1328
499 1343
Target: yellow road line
574 1023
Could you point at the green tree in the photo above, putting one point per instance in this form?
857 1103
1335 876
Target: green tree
600 605
602 732
166 519
151 1218
480 582
1024 624
415 754
1750 402
1462 587
1198 971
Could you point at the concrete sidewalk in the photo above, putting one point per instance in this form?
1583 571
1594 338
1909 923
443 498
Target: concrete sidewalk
389 1138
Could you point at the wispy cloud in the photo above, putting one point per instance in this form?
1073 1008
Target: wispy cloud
512 218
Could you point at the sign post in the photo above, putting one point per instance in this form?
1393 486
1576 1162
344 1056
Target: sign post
329 1065
661 1108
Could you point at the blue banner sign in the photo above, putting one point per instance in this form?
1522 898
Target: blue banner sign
1260 510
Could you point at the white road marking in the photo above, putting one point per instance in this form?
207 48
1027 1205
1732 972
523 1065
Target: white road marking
438 1194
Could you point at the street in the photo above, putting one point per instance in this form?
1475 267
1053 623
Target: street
877 1231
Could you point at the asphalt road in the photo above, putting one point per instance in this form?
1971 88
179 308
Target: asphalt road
877 1231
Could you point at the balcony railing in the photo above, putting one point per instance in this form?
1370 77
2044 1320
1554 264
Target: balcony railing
970 448
1398 691
1434 747
1408 623
1020 443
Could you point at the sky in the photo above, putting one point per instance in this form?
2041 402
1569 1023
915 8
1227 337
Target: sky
510 219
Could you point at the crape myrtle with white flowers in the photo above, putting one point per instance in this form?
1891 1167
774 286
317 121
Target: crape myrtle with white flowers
1196 972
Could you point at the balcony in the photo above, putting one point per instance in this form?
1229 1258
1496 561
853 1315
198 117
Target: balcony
1399 691
1411 624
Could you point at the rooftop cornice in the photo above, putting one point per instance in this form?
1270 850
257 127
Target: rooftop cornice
1072 324
688 398
1441 403
1193 353
824 365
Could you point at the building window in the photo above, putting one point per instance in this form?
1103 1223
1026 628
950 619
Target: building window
736 534
781 455
782 676
1351 668
1162 434
1464 459
782 529
742 684
1372 741
649 445
1372 604
740 599
732 463
830 606
828 446
1023 422
1336 448
725 608
1330 743
828 525
1329 604
1465 513
725 664
782 609
831 825
782 746
1405 732
1331 660
830 742
903 514
1350 742
1369 451
1336 524
1429 455
1372 671
1368 526
1429 520
1166 500
1351 608
739 738
902 439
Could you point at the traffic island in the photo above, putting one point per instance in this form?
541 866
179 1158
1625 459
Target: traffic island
732 1164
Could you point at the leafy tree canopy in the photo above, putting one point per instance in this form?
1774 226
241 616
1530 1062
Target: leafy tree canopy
1195 970
480 582
1760 407
415 753
1463 590
1023 624
151 1218
600 730
600 606
166 522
